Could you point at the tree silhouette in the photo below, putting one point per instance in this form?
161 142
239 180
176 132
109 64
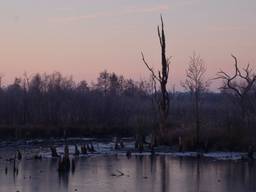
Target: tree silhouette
240 85
161 77
196 85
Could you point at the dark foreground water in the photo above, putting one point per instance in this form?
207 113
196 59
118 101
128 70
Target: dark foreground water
119 174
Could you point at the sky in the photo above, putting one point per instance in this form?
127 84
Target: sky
84 37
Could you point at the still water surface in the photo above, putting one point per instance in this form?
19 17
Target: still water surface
141 174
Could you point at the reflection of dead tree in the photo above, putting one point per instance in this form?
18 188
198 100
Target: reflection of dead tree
240 85
162 78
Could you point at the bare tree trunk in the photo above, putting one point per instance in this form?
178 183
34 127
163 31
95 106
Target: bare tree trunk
161 135
197 121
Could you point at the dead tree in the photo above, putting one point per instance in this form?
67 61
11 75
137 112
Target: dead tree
26 84
162 78
240 85
196 85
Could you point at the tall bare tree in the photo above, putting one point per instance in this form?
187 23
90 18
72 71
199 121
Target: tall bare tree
162 78
196 84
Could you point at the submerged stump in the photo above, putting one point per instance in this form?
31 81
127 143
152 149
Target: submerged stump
77 152
19 156
64 162
54 152
83 149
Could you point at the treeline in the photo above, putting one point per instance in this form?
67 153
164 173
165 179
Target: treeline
51 105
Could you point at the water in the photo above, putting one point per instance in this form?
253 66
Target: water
110 173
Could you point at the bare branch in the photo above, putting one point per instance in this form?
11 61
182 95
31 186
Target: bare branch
230 81
149 68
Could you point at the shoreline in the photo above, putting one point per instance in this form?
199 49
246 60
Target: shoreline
106 147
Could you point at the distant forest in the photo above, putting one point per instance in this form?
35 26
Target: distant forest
51 105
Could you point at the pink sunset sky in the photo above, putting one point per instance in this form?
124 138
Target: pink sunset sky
84 37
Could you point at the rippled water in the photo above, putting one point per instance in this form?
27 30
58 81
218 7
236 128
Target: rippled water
104 173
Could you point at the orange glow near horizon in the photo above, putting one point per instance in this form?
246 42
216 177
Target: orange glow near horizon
83 38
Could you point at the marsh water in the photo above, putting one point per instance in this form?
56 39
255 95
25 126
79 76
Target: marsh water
117 173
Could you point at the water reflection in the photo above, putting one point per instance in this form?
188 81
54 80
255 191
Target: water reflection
150 174
197 175
164 174
64 179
